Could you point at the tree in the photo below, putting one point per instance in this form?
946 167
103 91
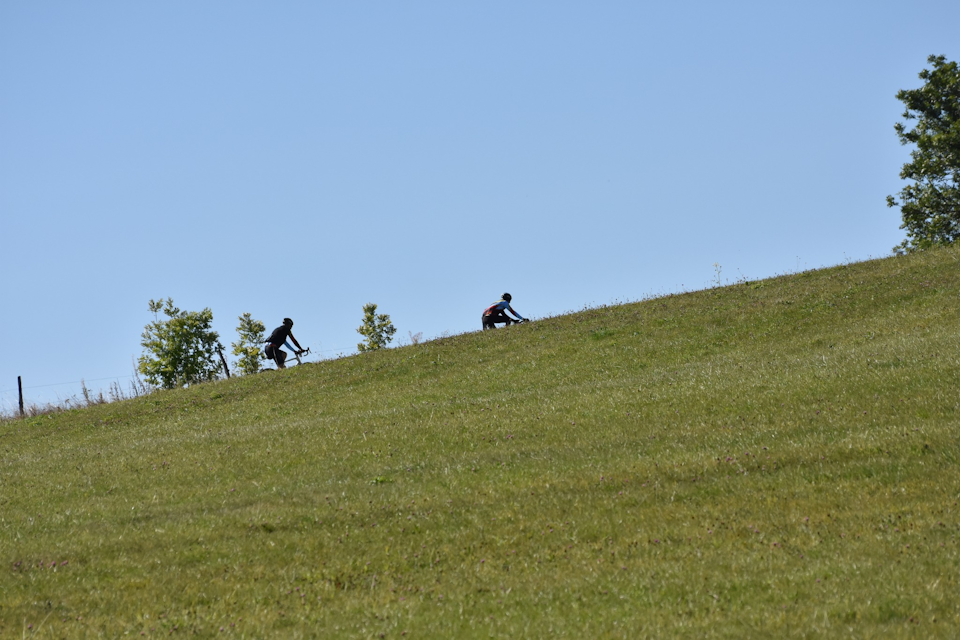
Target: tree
250 345
180 350
931 205
376 329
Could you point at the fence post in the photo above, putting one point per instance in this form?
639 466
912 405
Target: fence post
223 360
20 389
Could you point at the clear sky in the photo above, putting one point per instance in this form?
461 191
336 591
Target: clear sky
303 158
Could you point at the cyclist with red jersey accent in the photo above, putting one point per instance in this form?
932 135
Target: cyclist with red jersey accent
497 313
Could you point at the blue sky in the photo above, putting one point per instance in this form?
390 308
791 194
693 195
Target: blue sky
303 158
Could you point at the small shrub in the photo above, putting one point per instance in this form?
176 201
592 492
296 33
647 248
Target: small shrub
250 345
376 329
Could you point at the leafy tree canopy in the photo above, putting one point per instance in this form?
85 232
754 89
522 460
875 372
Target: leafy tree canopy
930 206
181 349
376 329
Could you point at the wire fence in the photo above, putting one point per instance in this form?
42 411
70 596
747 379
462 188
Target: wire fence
75 393
320 352
79 392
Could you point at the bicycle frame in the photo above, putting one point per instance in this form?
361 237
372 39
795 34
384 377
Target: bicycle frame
295 356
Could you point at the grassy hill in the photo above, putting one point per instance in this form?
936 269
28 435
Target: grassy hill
773 458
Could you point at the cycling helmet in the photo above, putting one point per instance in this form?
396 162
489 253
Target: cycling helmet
288 322
507 297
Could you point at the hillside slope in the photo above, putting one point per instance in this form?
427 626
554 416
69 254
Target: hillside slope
776 457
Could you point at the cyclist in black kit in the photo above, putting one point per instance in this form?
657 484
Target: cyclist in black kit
278 339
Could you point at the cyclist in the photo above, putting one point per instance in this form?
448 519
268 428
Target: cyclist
279 338
497 313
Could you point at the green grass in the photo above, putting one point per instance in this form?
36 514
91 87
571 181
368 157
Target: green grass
771 459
